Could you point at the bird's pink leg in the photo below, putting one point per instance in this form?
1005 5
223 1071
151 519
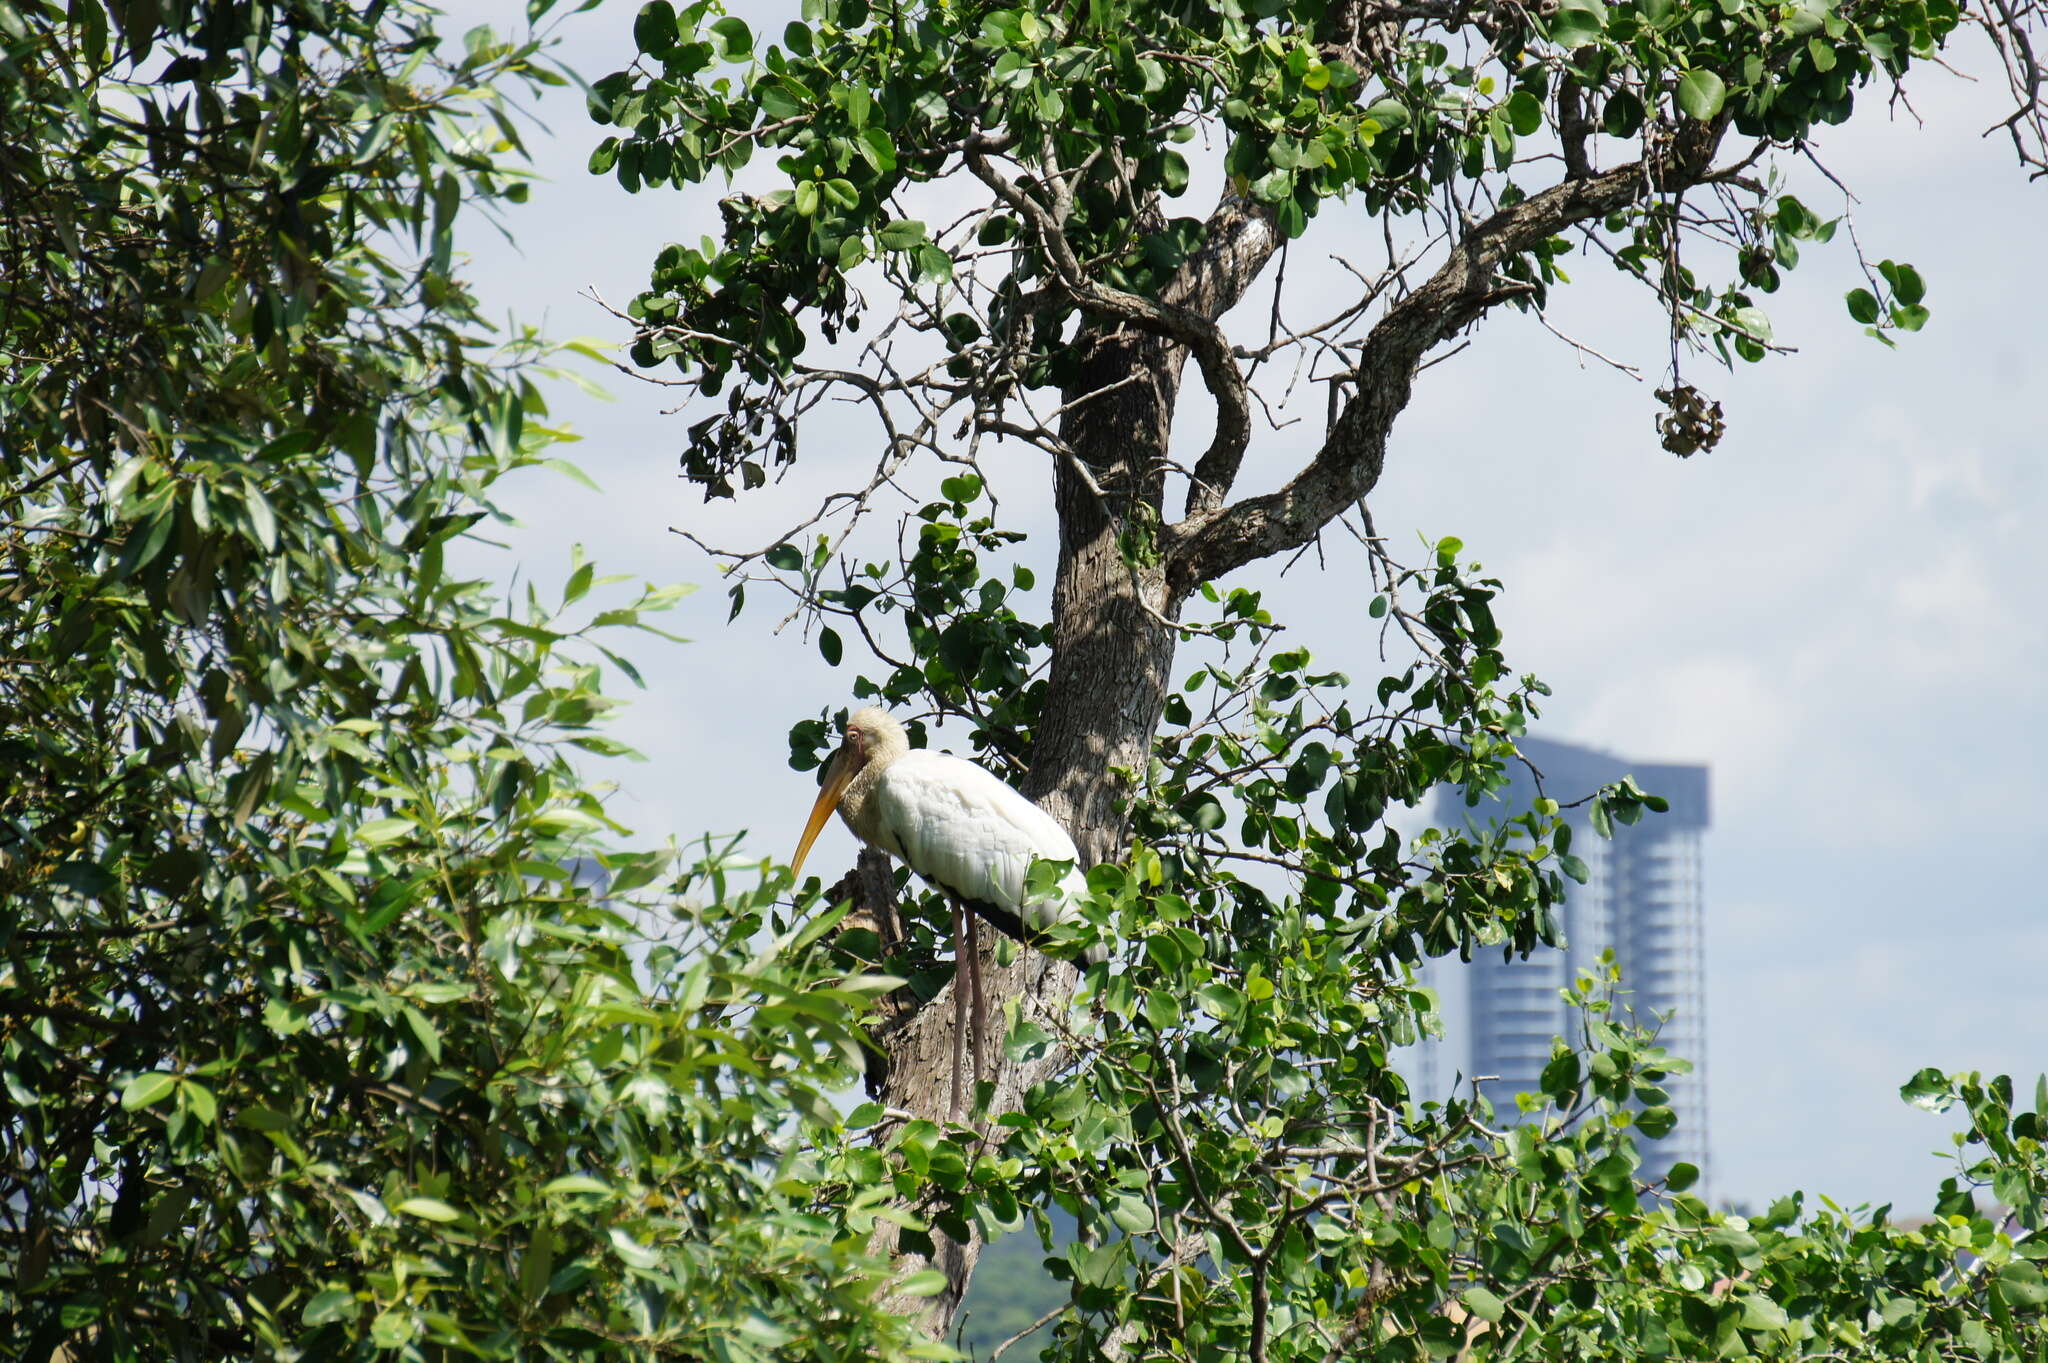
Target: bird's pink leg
960 1004
978 1036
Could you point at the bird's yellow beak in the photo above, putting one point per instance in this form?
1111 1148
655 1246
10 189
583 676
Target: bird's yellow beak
838 773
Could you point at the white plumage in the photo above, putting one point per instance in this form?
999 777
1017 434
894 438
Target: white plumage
961 829
971 835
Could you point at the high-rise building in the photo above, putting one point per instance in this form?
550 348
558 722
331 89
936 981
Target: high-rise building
1643 900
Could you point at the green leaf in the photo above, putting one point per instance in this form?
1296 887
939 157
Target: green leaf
1561 1076
1484 1304
378 832
1682 1176
925 1283
145 1089
829 647
1928 1089
1131 1213
1753 321
428 1209
1220 1001
1862 305
125 479
631 1251
1273 186
1733 1238
735 38
785 558
336 1303
1525 113
1578 22
1807 16
1656 1122
391 1329
934 266
262 516
1701 94
654 28
900 234
2022 1284
197 1099
1622 115
1389 114
569 1184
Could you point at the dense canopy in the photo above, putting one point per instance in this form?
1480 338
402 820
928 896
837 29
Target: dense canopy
340 1019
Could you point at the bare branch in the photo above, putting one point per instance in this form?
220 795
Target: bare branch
1240 240
2008 23
1206 546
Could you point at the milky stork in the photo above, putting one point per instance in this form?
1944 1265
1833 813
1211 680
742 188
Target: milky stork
960 828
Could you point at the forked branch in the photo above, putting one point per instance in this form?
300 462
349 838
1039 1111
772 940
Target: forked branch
1207 545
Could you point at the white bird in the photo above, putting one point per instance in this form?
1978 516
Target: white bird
961 829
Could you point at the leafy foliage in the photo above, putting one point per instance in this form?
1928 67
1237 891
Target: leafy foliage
332 1021
1305 104
1249 1172
990 198
336 1022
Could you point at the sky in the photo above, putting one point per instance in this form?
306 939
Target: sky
1836 609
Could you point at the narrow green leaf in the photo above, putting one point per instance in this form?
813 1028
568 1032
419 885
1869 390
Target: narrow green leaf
144 1089
197 1099
336 1303
262 517
928 1283
378 832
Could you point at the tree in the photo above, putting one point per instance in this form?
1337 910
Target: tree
335 1022
998 187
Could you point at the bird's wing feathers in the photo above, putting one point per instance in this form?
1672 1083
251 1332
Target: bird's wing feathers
967 832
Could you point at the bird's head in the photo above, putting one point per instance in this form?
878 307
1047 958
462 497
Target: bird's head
873 736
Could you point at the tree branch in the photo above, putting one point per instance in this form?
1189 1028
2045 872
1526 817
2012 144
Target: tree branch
1237 241
1207 545
1240 241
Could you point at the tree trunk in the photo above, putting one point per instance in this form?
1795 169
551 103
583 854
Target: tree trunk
1112 653
1112 662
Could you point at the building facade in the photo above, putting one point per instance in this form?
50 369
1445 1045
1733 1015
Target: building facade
1643 900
